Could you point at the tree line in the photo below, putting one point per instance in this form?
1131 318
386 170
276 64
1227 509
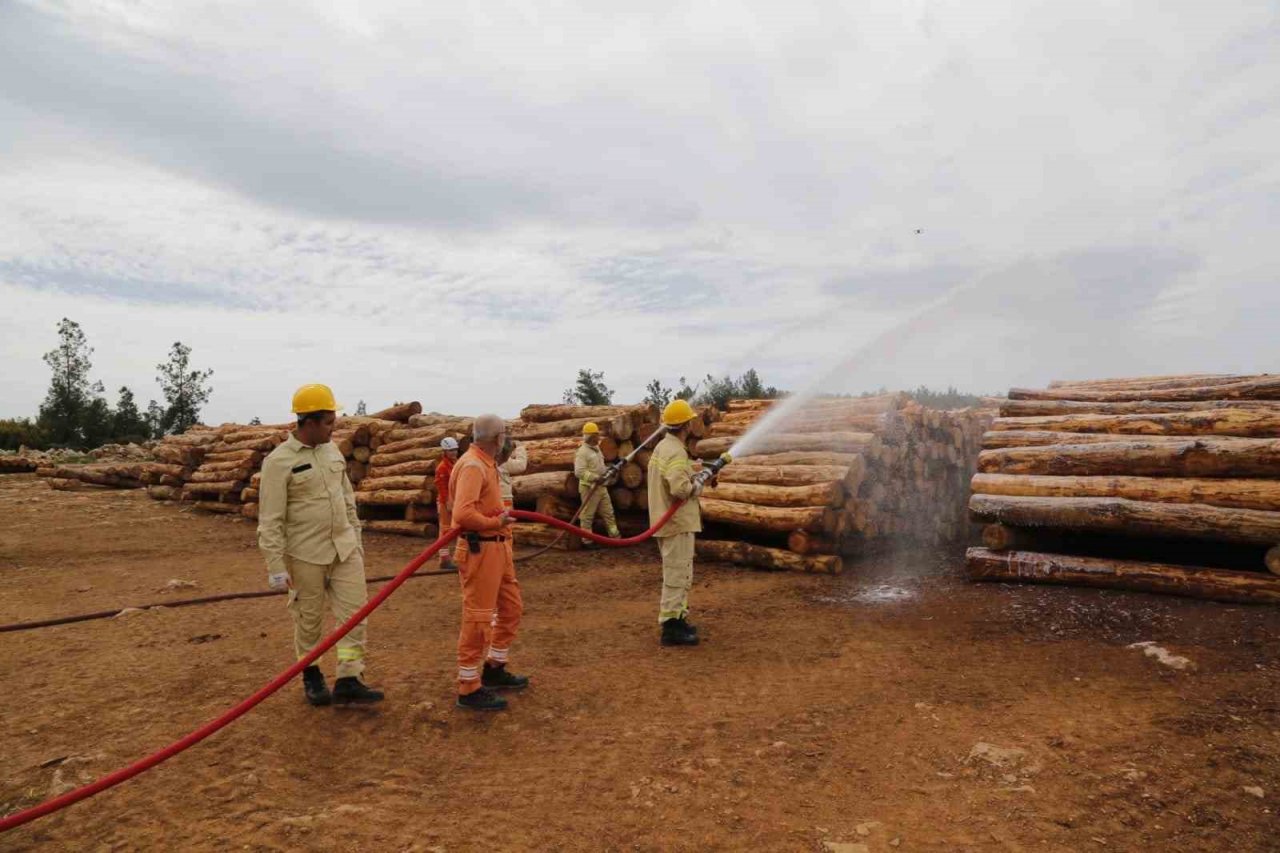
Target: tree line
75 412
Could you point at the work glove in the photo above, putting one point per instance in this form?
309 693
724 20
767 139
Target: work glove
697 489
611 476
279 581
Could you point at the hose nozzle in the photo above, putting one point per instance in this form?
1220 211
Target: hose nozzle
710 469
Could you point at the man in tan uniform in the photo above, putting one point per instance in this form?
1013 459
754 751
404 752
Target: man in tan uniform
589 467
671 478
310 535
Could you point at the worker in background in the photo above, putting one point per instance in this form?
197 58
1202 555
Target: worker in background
671 475
491 603
310 535
590 469
513 460
443 469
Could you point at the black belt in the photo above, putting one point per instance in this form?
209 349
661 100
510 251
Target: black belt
474 539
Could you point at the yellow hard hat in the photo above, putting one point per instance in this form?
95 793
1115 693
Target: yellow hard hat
314 398
590 428
678 412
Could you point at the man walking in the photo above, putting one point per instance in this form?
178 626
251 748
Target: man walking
671 479
491 602
310 535
589 467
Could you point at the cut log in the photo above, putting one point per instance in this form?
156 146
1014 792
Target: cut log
1037 438
396 497
1272 559
421 454
1242 494
792 475
1205 457
849 460
1180 380
776 443
402 528
255 434
775 519
1212 584
421 513
622 499
358 435
362 454
804 542
632 475
249 495
529 487
1248 423
252 458
413 483
227 488
1266 388
556 507
767 558
221 475
216 506
176 455
250 511
555 412
164 493
400 412
640 499
1131 518
528 534
430 437
62 484
822 494
260 445
357 471
619 426
1044 408
1000 537
404 469
435 419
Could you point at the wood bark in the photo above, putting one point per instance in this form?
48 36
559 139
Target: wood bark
767 558
401 412
404 469
555 412
1042 408
1238 493
234 465
1189 380
804 542
421 454
61 484
792 475
358 435
528 534
249 511
775 519
357 471
848 460
396 497
220 508
221 475
529 487
622 499
632 475
619 426
982 564
455 423
164 493
821 494
421 513
225 488
416 483
1264 388
261 445
362 455
1039 438
249 495
1205 457
1247 423
430 437
1131 518
177 455
252 458
835 442
556 506
1272 559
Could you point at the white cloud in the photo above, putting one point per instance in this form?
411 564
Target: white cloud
465 204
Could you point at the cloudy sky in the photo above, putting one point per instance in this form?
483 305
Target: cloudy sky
465 203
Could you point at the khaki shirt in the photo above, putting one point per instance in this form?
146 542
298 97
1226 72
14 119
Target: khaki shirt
671 479
306 514
515 465
588 464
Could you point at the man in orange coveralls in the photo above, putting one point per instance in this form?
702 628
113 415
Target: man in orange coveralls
444 468
491 604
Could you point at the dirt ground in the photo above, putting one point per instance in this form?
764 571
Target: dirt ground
819 712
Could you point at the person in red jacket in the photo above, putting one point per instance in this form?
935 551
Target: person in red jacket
444 506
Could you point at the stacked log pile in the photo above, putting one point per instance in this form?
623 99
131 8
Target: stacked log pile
1145 467
14 463
109 475
837 476
396 493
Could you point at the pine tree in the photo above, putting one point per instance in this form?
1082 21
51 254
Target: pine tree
128 424
589 390
66 404
185 390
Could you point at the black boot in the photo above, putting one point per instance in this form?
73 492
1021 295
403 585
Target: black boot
483 699
676 633
496 677
351 690
313 686
688 626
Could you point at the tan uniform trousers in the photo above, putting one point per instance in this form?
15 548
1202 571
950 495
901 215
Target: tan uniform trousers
344 582
677 575
600 503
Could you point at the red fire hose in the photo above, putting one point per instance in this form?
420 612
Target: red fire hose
232 714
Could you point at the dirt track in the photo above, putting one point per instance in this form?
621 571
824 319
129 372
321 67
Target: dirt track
818 710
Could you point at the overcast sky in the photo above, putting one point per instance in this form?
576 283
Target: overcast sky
464 203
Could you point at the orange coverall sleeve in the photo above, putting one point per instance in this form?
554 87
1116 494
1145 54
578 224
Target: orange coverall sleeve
466 501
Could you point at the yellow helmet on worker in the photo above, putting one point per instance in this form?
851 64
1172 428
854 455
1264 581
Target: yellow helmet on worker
314 398
678 412
590 428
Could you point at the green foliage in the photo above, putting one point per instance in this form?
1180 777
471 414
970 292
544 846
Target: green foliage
361 409
21 432
719 391
952 398
257 421
657 394
66 404
589 390
185 390
127 423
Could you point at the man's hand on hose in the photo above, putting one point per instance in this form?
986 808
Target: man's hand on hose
507 519
610 477
279 581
